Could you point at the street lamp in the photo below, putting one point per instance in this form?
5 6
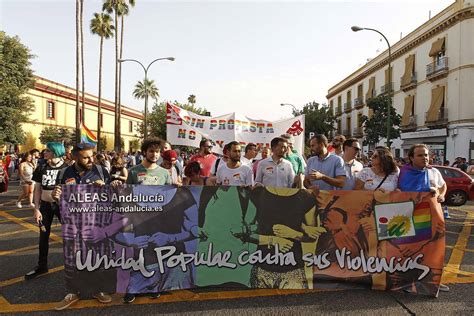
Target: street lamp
357 29
145 69
295 110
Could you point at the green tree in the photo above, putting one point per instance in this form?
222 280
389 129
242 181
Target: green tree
101 25
157 118
53 134
375 127
192 99
318 118
16 77
151 90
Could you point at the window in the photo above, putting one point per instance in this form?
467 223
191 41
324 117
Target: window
130 126
50 110
101 120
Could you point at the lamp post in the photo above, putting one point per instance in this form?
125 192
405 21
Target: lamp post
357 29
145 69
295 110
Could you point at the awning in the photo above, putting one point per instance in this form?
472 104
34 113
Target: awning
437 100
437 47
407 110
370 91
409 69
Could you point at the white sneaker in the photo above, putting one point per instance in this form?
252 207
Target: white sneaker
18 204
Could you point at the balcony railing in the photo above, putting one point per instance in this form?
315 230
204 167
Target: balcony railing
338 110
358 102
410 84
386 88
440 119
437 69
358 131
347 132
411 124
348 106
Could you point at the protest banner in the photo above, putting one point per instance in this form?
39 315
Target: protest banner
187 128
141 239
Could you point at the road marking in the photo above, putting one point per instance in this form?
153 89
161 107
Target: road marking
458 252
27 225
175 296
28 248
22 278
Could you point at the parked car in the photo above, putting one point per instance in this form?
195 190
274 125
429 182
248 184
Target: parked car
460 185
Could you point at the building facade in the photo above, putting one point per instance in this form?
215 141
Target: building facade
55 105
432 85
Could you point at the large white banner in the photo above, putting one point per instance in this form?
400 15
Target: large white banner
187 129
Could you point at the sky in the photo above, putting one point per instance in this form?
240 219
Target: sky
234 56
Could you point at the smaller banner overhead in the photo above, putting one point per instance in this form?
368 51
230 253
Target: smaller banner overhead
187 129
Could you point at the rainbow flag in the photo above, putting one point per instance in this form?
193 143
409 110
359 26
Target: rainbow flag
422 223
87 136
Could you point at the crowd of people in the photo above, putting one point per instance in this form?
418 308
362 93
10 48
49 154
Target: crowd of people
338 165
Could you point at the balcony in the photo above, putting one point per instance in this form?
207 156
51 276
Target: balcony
441 119
386 88
438 69
338 110
411 126
369 96
348 106
347 132
358 132
405 86
358 103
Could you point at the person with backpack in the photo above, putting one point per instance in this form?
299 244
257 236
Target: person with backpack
45 209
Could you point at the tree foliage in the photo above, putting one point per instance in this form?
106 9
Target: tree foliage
144 88
16 77
157 118
318 118
375 127
54 134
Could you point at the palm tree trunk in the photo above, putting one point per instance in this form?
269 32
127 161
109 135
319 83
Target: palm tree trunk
120 65
82 62
117 105
78 124
99 105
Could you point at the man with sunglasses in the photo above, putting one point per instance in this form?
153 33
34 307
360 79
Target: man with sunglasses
351 149
205 157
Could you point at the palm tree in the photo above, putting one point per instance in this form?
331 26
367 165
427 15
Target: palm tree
192 99
101 25
143 90
78 123
82 60
151 90
118 7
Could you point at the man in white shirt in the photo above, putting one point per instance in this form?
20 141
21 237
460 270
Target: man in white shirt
351 165
251 152
234 173
276 171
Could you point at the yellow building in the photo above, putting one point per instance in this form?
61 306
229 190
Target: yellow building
431 82
55 105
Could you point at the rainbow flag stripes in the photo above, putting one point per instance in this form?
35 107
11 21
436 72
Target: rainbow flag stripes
87 136
422 223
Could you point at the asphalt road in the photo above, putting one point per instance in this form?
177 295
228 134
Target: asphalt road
18 254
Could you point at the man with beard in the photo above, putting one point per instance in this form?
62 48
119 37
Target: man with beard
146 173
205 157
234 173
84 231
